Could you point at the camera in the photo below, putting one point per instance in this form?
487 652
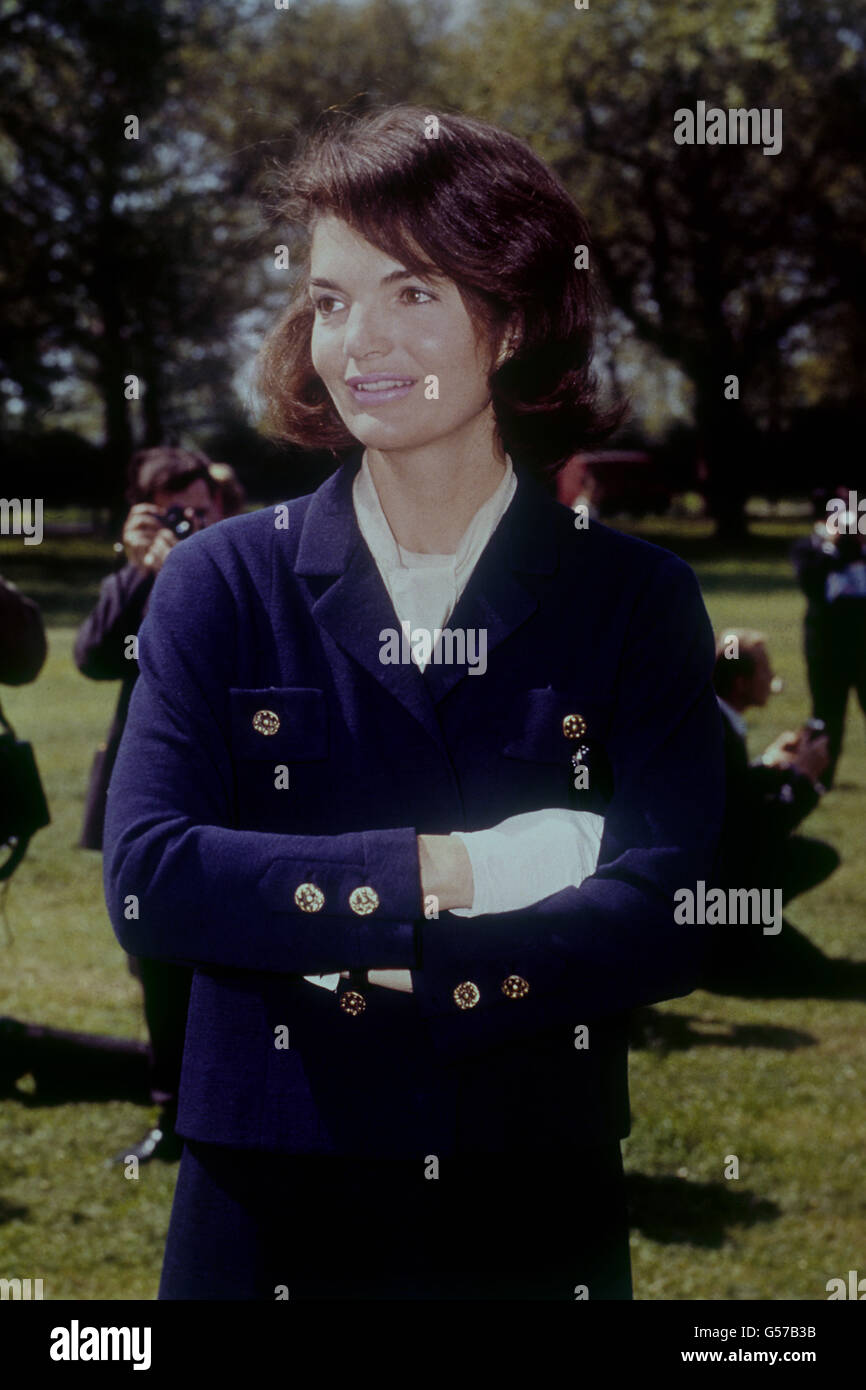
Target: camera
175 520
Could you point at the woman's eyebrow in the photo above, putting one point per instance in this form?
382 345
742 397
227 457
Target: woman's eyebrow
320 283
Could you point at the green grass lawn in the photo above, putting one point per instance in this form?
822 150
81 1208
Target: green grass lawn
780 1084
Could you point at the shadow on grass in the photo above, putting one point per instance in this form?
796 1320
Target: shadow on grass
10 1212
658 1032
676 1211
68 1066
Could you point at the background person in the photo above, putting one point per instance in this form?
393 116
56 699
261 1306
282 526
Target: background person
770 797
23 647
230 496
831 570
766 801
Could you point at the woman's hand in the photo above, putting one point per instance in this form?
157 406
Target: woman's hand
446 871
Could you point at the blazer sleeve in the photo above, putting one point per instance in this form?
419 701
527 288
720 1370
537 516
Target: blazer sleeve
181 882
610 944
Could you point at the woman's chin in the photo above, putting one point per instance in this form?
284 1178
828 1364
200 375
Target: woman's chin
375 434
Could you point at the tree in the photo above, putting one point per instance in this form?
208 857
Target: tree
104 222
135 246
723 259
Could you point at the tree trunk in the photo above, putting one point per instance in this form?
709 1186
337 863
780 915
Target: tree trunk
725 444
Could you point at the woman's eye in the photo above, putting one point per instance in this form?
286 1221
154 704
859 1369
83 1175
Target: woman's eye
325 305
414 290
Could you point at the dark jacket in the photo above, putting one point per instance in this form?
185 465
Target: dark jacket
23 647
204 853
764 805
818 559
101 653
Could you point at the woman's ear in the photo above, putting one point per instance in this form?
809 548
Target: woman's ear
508 345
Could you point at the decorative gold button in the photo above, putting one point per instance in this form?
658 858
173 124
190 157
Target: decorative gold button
364 900
466 995
309 898
514 987
574 726
352 1003
265 721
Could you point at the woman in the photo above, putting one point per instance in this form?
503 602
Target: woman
366 773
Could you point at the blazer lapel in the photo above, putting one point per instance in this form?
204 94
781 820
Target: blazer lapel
498 598
356 607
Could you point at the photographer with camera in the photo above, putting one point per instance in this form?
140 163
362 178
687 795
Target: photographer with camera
831 570
173 494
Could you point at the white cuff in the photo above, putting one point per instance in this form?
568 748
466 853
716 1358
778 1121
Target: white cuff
528 857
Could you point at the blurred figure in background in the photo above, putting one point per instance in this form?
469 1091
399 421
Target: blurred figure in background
230 498
23 647
23 808
831 570
61 1063
173 494
766 801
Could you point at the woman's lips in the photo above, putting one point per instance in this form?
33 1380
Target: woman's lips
375 390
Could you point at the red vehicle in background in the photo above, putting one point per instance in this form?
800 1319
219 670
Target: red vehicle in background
613 481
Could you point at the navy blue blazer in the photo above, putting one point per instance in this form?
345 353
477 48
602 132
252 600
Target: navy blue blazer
204 852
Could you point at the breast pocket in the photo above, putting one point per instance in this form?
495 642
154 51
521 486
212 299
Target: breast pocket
558 738
547 725
280 751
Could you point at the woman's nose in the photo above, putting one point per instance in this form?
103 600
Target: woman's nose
366 331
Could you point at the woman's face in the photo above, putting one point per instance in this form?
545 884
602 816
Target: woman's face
381 335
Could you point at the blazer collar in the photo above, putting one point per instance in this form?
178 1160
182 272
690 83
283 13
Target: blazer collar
356 608
330 531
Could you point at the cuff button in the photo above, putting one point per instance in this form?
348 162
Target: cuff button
466 995
574 726
309 898
364 900
515 987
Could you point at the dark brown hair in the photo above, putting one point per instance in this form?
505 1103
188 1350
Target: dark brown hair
478 206
166 469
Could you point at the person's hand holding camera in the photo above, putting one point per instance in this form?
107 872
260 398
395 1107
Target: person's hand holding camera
812 756
146 540
805 752
781 750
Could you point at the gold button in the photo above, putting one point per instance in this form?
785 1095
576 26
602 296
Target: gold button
352 1003
265 721
309 898
514 987
574 726
363 900
466 995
